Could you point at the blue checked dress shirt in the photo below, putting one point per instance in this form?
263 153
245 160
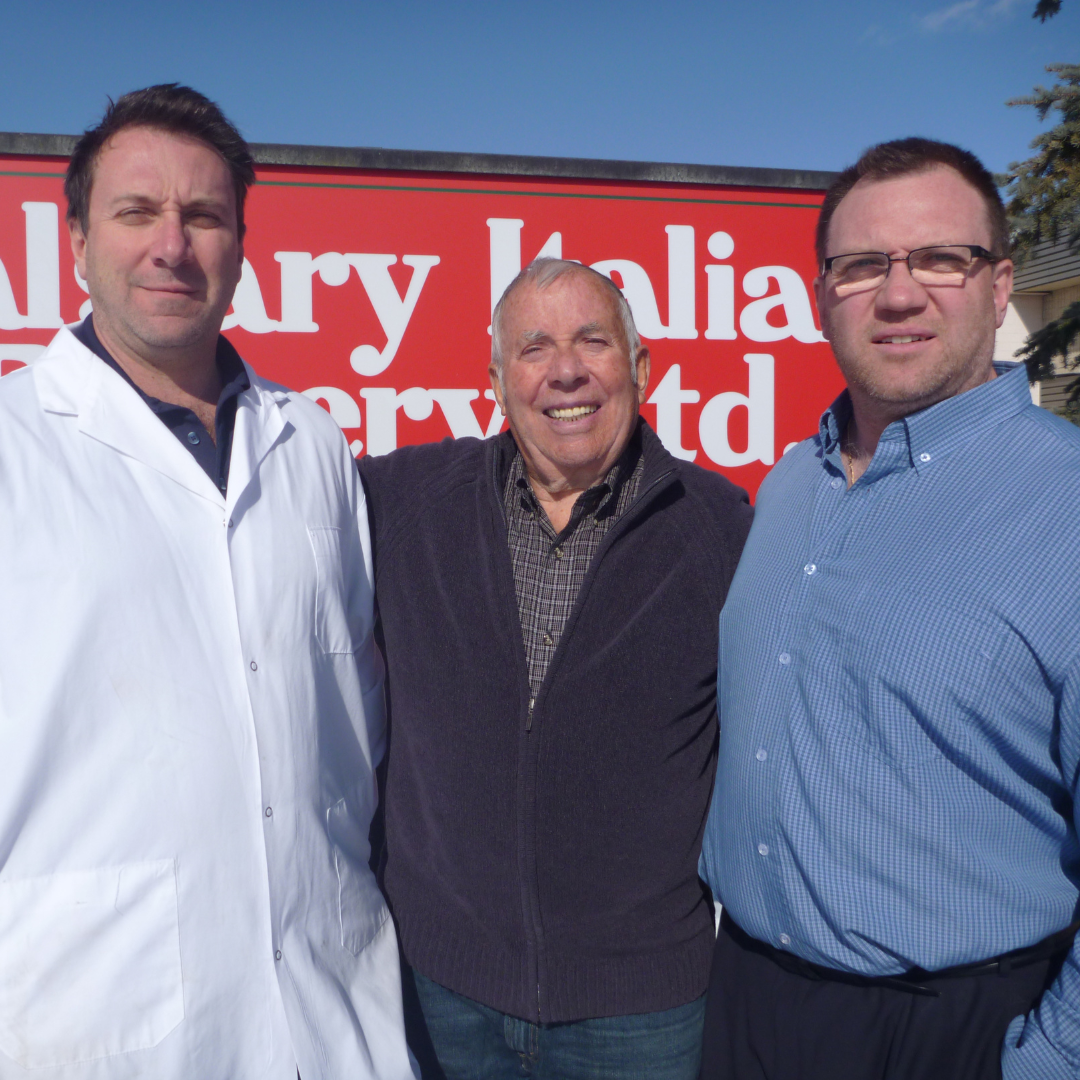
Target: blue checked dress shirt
899 699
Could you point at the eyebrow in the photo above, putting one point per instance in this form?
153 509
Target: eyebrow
530 336
149 200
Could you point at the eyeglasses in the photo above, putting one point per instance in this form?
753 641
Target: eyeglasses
864 270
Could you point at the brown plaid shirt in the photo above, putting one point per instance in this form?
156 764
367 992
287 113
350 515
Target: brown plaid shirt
549 568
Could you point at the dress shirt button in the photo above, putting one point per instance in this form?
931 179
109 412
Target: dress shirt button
269 811
254 666
230 523
784 939
836 482
762 754
558 553
810 569
924 458
784 658
763 849
193 438
277 954
548 639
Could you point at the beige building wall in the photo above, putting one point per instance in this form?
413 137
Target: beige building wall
1044 285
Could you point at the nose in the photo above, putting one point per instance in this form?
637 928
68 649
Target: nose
900 291
171 245
566 370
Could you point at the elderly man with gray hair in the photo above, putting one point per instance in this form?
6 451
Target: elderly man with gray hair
548 603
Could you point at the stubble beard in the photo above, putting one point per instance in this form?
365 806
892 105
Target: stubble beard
875 381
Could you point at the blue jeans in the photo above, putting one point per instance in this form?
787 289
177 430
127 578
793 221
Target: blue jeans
474 1042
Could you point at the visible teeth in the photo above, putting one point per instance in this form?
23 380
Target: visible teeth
902 340
575 413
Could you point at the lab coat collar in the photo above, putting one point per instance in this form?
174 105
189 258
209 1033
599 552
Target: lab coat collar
260 423
71 381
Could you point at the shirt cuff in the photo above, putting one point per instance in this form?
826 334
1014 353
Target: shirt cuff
1037 1058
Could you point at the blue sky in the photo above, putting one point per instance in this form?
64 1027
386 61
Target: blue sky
775 83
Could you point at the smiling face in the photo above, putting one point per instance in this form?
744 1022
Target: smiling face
904 346
161 256
567 386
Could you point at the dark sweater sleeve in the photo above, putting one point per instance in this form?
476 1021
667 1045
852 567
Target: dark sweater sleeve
406 483
728 515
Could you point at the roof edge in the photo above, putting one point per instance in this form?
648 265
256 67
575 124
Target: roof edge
374 157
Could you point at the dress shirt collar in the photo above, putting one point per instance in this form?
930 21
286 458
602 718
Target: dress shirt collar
916 440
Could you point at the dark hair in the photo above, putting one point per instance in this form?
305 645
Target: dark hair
904 156
167 107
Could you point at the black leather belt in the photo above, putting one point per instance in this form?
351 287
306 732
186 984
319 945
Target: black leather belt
914 981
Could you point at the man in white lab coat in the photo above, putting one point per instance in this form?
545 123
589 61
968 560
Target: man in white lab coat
190 699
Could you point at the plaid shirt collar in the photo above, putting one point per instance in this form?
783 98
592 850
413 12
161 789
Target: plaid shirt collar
600 501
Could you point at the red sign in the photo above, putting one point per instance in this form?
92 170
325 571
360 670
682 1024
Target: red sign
372 292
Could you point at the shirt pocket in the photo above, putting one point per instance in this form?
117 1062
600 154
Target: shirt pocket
332 628
89 963
362 909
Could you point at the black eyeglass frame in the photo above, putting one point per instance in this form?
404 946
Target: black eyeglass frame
977 252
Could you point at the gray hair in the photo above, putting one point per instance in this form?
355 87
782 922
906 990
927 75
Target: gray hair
541 273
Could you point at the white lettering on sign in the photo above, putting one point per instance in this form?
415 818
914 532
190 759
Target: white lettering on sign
505 248
384 403
635 284
638 290
681 293
298 268
792 297
669 397
382 409
248 310
393 311
759 404
42 273
721 289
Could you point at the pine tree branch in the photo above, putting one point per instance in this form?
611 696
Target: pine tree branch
1045 8
1054 340
1043 193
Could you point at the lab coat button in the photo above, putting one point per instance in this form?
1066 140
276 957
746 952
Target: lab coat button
254 666
277 954
269 811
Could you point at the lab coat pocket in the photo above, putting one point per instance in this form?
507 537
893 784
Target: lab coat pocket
361 907
89 963
331 620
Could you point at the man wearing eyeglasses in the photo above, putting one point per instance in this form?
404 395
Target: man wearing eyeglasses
893 829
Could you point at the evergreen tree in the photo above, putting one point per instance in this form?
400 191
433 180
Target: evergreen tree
1043 201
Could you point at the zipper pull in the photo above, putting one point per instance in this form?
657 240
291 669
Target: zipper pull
528 719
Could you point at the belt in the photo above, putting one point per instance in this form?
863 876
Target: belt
914 981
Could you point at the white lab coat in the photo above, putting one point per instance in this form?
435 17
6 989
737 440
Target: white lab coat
190 711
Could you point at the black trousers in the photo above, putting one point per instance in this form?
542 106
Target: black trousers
763 1022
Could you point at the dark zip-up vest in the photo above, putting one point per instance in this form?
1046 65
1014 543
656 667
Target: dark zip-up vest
546 866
